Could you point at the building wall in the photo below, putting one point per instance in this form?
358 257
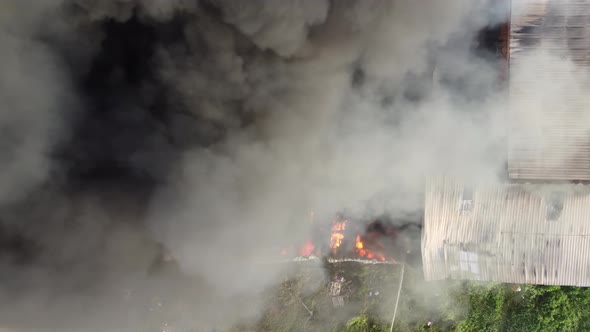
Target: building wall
511 233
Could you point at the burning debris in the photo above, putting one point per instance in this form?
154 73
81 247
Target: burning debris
376 242
337 236
361 251
307 249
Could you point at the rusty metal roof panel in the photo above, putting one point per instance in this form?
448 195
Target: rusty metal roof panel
549 134
537 234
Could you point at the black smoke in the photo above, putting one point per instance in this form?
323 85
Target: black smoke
136 131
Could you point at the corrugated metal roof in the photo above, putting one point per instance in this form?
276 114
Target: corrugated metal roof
513 233
549 124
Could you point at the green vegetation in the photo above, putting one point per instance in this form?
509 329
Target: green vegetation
301 304
533 308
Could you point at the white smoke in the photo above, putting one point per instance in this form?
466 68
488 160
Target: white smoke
318 142
34 91
281 28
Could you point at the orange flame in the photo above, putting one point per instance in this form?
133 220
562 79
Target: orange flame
307 249
337 236
339 226
365 247
360 247
364 252
336 240
359 243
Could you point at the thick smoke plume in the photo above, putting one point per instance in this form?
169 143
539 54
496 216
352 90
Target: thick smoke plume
211 129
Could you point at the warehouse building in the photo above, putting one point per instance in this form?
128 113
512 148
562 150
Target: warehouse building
535 227
549 134
513 233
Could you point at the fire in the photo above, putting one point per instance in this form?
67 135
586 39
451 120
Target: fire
359 244
337 236
364 252
307 249
367 243
339 226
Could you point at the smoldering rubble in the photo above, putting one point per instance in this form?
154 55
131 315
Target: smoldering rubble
206 131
